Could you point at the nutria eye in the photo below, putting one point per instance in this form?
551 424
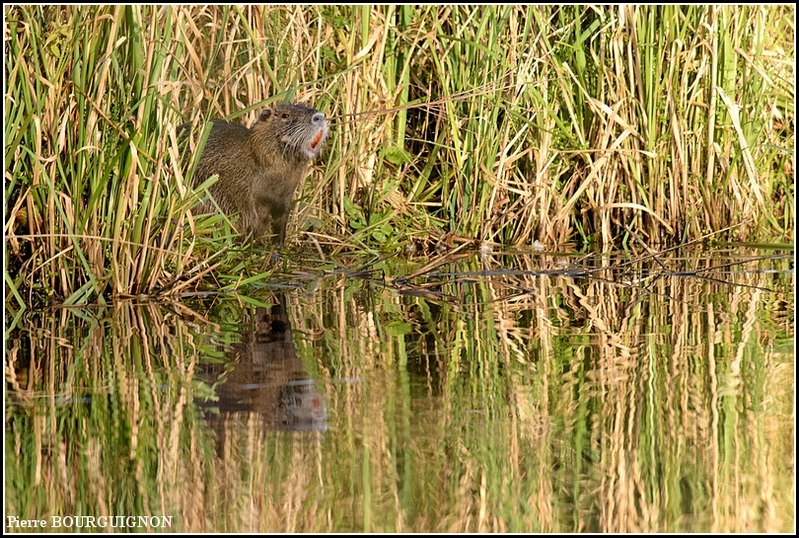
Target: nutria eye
285 115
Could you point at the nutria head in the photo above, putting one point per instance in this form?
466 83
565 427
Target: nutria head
300 131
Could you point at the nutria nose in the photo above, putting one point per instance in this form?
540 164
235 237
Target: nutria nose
318 118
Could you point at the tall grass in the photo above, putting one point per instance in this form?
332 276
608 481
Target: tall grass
507 124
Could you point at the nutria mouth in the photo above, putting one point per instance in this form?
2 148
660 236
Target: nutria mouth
317 139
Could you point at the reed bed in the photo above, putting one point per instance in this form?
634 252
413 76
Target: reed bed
508 124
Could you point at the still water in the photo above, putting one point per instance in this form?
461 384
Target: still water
496 394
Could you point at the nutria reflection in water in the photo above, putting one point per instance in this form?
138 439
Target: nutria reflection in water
268 379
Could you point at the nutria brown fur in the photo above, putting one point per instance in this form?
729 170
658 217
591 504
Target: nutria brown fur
259 168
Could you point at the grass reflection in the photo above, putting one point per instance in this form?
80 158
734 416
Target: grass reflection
630 400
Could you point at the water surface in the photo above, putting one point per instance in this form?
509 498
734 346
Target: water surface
550 393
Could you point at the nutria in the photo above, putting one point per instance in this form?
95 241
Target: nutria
259 168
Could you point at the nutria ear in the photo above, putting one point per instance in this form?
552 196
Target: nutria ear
265 114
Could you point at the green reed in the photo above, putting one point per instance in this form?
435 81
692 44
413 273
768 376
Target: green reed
498 123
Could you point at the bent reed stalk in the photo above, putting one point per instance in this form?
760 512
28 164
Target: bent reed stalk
499 123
